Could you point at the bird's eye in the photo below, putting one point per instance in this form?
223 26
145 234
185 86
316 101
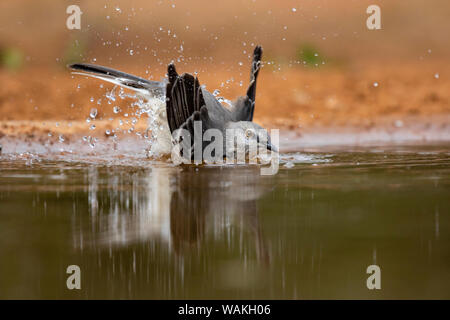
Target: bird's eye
249 133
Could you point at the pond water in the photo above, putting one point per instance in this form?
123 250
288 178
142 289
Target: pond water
153 230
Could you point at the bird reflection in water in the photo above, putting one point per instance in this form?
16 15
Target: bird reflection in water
183 207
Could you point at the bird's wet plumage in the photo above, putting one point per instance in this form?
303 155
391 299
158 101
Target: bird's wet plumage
187 101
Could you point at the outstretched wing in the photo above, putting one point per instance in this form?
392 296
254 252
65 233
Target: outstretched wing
245 106
185 105
256 65
183 97
140 85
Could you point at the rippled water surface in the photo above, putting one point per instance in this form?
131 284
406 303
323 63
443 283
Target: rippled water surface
153 230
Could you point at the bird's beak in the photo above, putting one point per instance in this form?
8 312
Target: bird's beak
271 147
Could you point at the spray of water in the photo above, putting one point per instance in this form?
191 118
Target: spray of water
157 133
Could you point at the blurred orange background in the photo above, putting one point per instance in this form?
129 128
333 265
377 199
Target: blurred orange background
322 67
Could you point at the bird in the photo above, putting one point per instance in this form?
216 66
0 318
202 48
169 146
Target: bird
187 102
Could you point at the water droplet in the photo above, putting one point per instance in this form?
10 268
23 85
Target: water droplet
131 52
398 123
116 109
375 84
93 113
289 164
436 75
92 142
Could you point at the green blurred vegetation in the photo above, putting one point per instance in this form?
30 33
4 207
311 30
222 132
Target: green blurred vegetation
75 51
11 58
310 56
306 55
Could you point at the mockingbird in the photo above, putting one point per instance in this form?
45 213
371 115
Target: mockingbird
188 103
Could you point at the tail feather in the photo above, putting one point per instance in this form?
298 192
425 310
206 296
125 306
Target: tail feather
140 85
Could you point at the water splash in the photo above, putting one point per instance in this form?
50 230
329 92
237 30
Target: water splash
289 160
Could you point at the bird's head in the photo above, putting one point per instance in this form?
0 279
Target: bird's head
244 134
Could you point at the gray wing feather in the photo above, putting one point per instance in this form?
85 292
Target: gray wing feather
245 106
184 96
